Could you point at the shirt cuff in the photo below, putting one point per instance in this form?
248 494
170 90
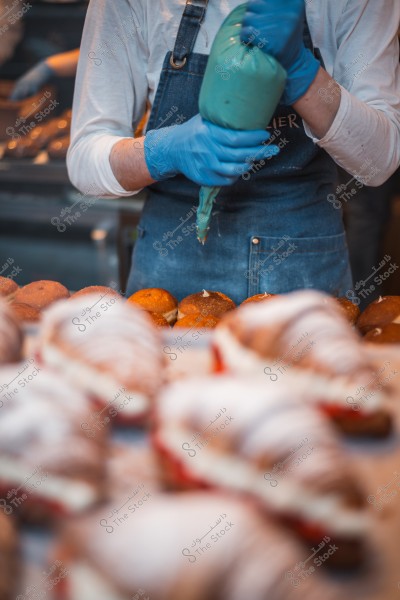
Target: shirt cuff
331 134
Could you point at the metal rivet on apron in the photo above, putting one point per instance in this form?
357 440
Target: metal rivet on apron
255 241
176 65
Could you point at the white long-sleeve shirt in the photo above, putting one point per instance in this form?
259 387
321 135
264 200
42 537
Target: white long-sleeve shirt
11 27
125 42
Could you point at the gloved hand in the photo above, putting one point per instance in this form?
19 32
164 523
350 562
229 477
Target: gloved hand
277 26
32 81
205 153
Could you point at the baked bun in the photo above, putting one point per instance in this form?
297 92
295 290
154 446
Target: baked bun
197 320
96 289
306 334
194 546
206 303
388 334
109 349
158 319
8 287
57 149
258 298
42 135
25 313
266 442
156 300
10 568
48 463
350 310
22 148
41 294
67 115
11 338
379 313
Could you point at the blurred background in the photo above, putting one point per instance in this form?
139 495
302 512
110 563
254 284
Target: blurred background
40 228
42 225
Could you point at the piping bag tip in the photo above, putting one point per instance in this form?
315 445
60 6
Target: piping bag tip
202 237
204 212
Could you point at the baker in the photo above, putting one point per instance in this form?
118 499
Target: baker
276 224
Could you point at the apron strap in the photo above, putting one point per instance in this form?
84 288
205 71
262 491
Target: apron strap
189 28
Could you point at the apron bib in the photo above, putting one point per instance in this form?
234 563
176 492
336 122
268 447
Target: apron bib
272 231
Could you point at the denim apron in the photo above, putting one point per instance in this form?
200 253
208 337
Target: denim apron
272 231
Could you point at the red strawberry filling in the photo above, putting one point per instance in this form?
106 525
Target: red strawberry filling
180 475
25 498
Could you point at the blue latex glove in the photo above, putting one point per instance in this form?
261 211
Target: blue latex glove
277 26
205 153
30 83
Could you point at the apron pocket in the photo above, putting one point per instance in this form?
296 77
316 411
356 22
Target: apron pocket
285 264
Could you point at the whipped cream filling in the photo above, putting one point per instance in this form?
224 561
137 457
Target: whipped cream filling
199 314
322 389
171 315
287 497
87 584
96 383
75 495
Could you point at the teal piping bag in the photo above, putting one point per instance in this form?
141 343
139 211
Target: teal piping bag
241 89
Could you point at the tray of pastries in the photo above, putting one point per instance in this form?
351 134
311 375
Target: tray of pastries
195 450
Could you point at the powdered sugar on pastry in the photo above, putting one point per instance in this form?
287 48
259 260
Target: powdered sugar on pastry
321 388
85 582
304 330
118 342
265 428
76 495
41 426
175 550
99 384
